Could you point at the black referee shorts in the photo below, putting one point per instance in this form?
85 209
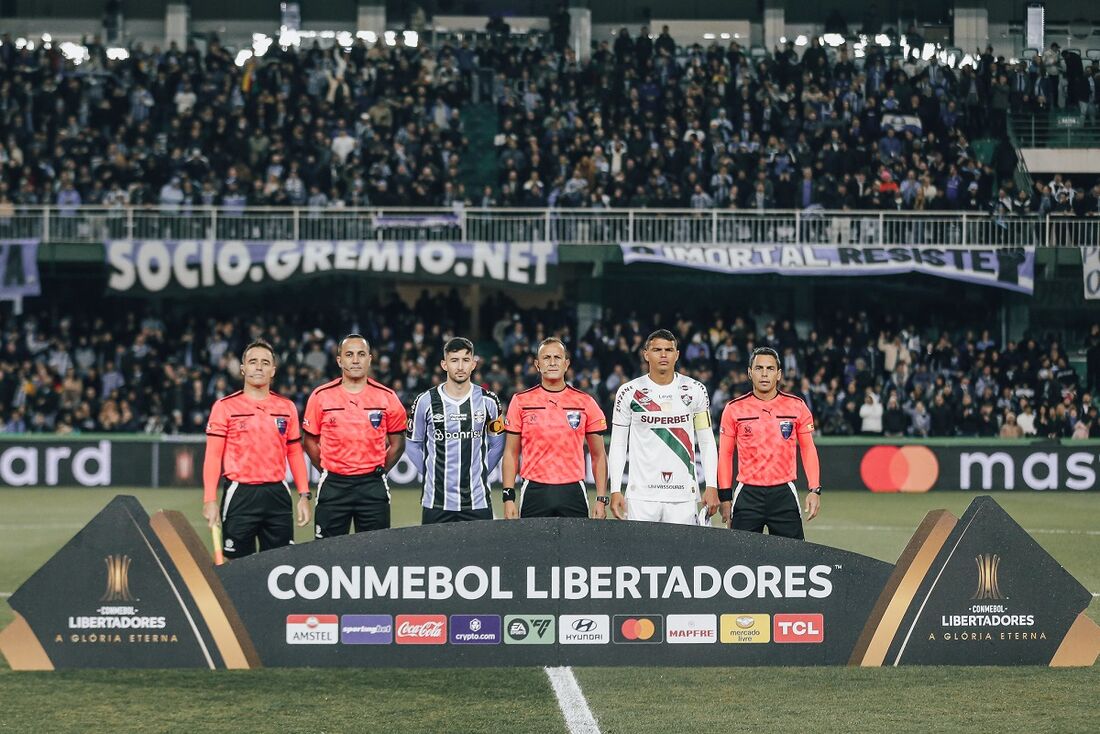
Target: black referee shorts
341 499
255 512
776 507
553 500
432 516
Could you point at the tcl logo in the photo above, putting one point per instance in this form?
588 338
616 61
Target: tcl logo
421 629
798 628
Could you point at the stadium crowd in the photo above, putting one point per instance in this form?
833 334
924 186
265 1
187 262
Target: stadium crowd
643 123
181 128
859 374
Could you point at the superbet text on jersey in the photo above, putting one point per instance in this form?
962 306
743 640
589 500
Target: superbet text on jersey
661 420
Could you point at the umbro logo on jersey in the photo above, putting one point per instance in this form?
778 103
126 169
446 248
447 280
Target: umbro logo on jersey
686 399
437 418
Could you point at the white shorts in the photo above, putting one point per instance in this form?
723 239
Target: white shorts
676 513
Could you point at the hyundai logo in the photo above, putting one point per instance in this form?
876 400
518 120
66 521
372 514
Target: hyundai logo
584 625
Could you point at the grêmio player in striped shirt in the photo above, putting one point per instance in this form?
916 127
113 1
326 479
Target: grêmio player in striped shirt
455 439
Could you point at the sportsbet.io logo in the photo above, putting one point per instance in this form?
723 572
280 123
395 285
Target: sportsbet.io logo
899 469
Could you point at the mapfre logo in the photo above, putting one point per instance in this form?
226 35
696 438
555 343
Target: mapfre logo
798 628
691 629
421 629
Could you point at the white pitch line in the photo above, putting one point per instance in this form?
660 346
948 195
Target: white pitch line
571 701
7 594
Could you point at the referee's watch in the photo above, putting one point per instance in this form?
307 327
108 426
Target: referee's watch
815 490
305 495
604 498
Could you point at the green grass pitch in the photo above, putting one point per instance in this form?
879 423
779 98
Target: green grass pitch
35 523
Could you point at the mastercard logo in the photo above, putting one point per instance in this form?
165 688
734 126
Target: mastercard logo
899 469
638 629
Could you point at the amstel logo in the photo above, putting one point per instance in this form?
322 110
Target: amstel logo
988 587
118 579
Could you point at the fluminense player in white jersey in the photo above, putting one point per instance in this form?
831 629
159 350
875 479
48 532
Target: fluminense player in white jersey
658 420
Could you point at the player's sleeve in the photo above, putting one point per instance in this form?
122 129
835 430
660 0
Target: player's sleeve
621 413
218 424
416 427
616 455
704 436
727 444
596 422
495 428
416 433
311 419
811 464
293 428
396 418
805 418
513 420
216 430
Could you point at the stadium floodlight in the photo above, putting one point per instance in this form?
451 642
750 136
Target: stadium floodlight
833 39
708 36
288 37
74 52
412 38
783 39
928 52
328 34
801 41
390 37
243 56
725 36
883 40
368 36
118 53
344 38
260 44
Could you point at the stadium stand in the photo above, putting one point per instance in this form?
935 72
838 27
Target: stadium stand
644 124
861 374
641 124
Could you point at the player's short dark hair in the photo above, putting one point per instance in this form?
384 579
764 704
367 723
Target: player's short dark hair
354 336
552 340
662 334
457 344
260 344
767 352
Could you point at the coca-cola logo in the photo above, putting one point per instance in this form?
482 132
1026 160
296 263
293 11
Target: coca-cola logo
421 629
428 629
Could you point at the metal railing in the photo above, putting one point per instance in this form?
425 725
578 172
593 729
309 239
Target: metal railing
722 227
1058 129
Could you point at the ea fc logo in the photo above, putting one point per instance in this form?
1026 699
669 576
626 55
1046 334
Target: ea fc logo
988 587
118 579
